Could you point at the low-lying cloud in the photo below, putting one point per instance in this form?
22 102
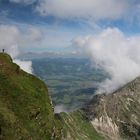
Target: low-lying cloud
115 53
11 39
25 65
60 108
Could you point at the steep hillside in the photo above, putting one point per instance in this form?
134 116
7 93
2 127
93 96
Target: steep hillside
25 107
117 115
77 127
26 111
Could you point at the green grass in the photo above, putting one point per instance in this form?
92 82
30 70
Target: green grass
77 127
67 77
25 108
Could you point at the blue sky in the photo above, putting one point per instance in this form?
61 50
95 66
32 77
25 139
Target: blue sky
61 21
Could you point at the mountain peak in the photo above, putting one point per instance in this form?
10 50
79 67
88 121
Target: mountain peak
116 115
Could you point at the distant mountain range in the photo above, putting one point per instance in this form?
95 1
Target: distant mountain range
38 55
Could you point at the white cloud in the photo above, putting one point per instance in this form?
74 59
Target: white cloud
11 38
25 65
31 36
133 18
96 9
60 108
23 1
34 34
117 54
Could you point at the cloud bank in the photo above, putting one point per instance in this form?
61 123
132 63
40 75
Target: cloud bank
88 10
96 9
115 53
11 38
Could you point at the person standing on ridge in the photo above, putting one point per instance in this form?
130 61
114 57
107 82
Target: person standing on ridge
3 50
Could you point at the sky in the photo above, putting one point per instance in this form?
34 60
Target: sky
106 31
61 21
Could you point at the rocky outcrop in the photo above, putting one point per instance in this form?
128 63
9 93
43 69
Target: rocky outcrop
117 115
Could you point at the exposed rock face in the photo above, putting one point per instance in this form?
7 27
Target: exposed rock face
105 125
77 127
117 115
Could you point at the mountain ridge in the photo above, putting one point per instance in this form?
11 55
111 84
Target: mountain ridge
25 107
26 111
117 115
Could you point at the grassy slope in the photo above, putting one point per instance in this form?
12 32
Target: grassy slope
25 108
77 127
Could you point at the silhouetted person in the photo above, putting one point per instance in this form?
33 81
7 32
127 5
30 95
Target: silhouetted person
3 50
